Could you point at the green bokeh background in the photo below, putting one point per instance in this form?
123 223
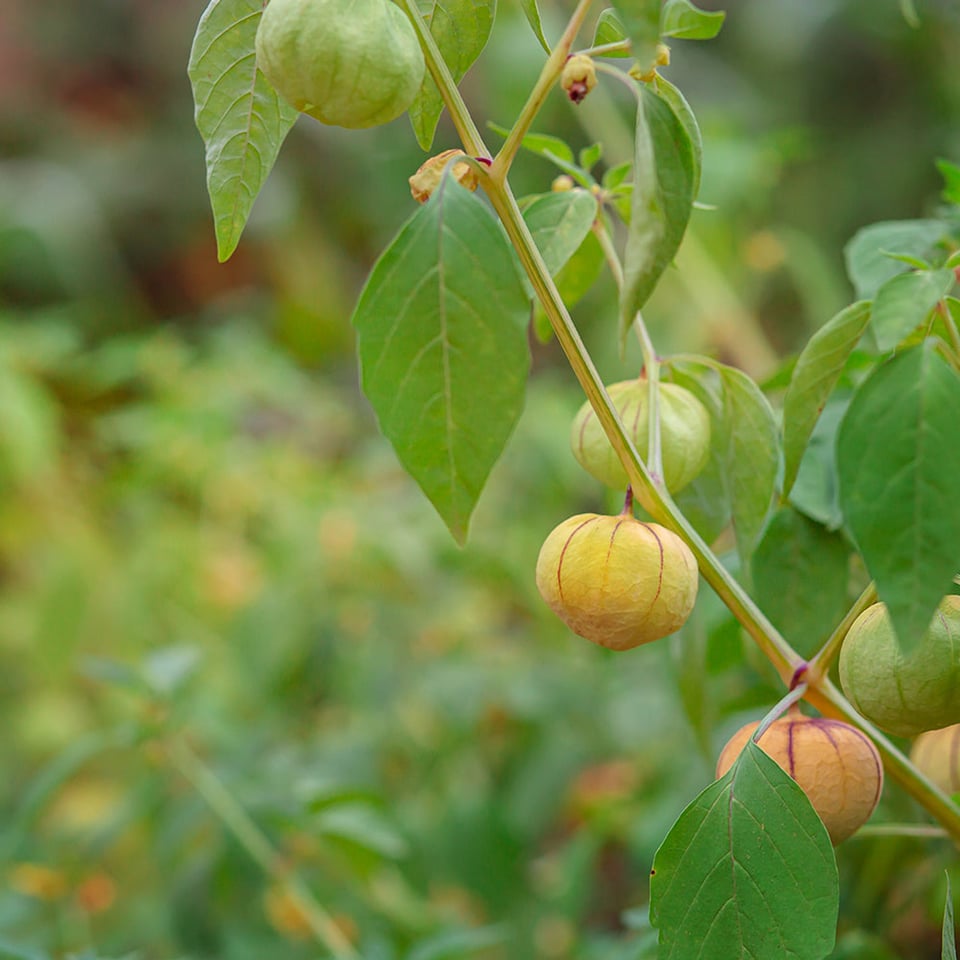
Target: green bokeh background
208 552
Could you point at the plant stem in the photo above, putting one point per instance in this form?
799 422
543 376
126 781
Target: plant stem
901 830
788 700
255 842
548 77
820 663
443 78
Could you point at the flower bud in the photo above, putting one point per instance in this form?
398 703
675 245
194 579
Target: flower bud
562 184
579 77
429 173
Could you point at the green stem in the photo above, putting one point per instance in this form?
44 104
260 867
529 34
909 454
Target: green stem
604 49
819 664
443 78
652 367
900 830
788 700
548 77
255 842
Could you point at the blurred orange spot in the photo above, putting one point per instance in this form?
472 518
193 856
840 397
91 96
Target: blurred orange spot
763 252
285 914
232 578
337 535
600 785
554 936
96 893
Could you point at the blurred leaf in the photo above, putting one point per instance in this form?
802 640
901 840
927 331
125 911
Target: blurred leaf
949 937
166 670
909 12
441 327
610 29
746 871
559 223
113 672
951 181
532 12
242 120
664 173
903 302
868 263
553 148
590 156
11 951
800 575
362 826
613 177
683 20
815 375
29 427
641 20
897 458
453 944
461 29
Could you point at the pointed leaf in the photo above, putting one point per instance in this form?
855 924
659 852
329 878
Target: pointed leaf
441 327
573 281
242 119
815 375
461 29
678 103
610 29
868 263
559 223
948 941
664 174
747 871
641 20
903 302
532 12
800 579
683 20
752 447
898 460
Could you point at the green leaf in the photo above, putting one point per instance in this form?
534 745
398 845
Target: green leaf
362 826
610 29
590 156
243 121
800 574
685 115
532 12
613 177
815 375
948 935
559 223
898 460
573 281
746 871
816 491
903 302
750 442
461 29
441 327
867 254
951 181
664 176
641 21
681 19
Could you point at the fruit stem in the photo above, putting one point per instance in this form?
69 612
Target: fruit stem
787 702
651 366
548 77
819 665
628 502
466 129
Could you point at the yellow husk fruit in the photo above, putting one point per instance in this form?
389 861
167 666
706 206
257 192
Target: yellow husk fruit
904 694
684 434
936 754
348 63
835 765
617 581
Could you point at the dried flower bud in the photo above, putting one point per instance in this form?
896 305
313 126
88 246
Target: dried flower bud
562 184
427 177
579 77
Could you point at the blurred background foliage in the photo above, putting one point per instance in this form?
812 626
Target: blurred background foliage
240 657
